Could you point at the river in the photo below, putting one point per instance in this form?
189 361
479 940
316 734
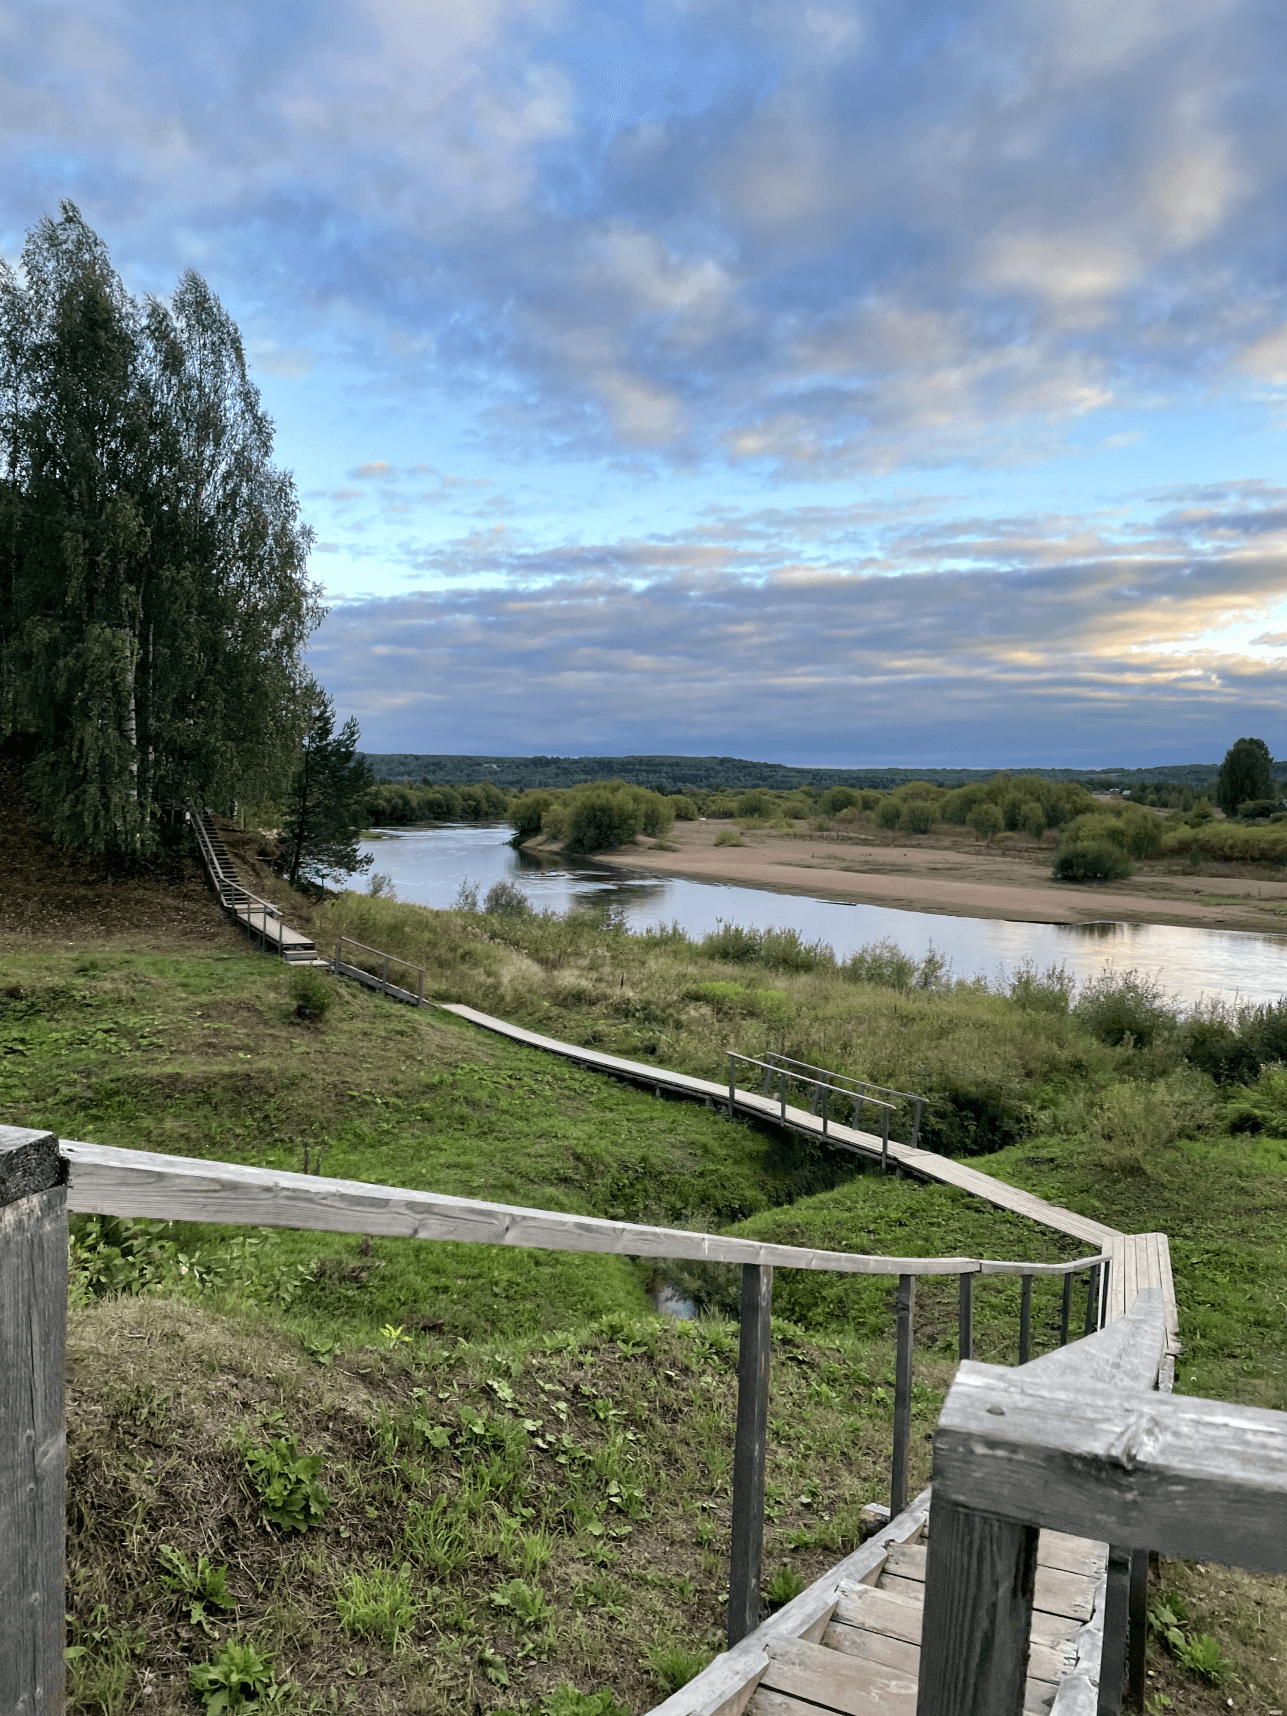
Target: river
428 865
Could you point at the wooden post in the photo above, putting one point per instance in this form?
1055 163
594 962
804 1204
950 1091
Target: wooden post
33 1445
1112 1667
1066 1310
979 1579
732 1088
420 987
902 1396
339 949
1137 1631
916 1125
826 1094
782 1091
1025 1319
749 1452
1092 1299
965 1319
884 1153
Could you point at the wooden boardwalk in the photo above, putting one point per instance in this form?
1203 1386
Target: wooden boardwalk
260 919
921 1164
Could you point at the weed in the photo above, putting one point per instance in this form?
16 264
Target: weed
100 1661
565 1700
785 1584
676 1665
285 1481
437 1534
527 1603
379 1602
200 1586
1202 1656
237 1677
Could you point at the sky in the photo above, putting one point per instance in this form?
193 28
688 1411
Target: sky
829 383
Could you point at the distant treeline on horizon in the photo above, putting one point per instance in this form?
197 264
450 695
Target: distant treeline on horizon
677 774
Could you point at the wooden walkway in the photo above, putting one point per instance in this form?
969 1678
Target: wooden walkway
921 1164
260 919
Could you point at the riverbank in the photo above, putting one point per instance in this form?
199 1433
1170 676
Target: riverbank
958 875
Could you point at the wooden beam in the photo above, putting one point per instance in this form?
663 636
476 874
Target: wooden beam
1126 1354
979 1580
33 1446
178 1188
906 1309
749 1453
1204 1479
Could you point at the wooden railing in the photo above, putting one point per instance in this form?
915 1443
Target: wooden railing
379 978
784 1070
43 1178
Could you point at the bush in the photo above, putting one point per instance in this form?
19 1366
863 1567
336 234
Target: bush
527 813
888 812
1253 809
1264 1107
1121 1004
729 837
1092 861
506 900
312 993
684 808
1049 991
758 801
885 963
916 817
780 950
985 819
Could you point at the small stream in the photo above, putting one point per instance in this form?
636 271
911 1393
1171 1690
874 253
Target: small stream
428 865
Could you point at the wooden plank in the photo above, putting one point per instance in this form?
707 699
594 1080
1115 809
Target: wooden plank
750 1448
907 1560
179 1188
29 1163
1125 1354
923 1163
978 1611
838 1682
900 1586
726 1686
1168 1293
873 1647
33 1447
906 1306
1073 1554
878 1610
767 1703
1190 1478
1061 1593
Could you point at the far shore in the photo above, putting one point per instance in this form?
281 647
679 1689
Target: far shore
956 873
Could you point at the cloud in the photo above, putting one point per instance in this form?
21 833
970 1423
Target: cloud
956 641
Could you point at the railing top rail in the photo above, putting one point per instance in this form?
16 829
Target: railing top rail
107 1181
393 958
750 1061
772 1055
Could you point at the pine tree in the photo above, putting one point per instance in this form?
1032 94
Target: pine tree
326 808
1246 773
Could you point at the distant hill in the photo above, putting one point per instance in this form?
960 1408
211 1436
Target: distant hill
710 773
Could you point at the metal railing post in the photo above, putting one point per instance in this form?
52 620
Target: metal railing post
826 1093
916 1126
420 987
732 1087
1092 1299
782 1092
902 1396
750 1451
1025 1319
1065 1311
884 1141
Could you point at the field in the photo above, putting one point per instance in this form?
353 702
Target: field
527 1470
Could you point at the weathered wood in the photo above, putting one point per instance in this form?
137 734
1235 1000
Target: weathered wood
871 1646
1126 1354
1025 1318
178 1188
1198 1478
1092 1300
727 1685
29 1163
906 1307
1065 1312
965 1318
1112 1667
838 1682
33 1450
1137 1631
978 1612
749 1454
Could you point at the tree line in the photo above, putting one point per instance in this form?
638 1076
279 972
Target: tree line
154 595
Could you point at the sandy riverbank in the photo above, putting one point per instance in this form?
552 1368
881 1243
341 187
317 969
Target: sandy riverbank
955 873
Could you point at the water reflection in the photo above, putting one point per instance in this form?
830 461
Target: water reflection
429 864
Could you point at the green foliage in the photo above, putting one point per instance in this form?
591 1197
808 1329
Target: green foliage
916 817
1049 991
506 900
1226 842
238 1677
885 963
527 1603
153 597
783 1585
757 802
1200 1653
780 950
729 837
379 1601
1121 1004
684 808
201 1586
399 803
1258 809
285 1482
675 1665
986 819
608 814
1247 772
565 1700
1091 861
312 993
325 807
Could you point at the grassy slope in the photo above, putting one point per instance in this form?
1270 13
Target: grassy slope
194 1050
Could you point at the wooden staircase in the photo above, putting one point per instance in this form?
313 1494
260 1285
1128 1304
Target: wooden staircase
868 1658
259 918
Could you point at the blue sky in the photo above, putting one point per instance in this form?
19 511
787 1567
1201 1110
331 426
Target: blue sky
837 383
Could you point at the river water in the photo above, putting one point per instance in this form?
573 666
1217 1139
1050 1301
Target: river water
428 865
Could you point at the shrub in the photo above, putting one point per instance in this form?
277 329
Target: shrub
684 808
285 1481
985 819
888 812
466 899
1092 861
758 801
1049 991
310 991
838 798
1121 1004
526 814
1254 808
729 837
602 818
780 950
506 900
974 1118
916 817
1215 1048
1264 1107
885 963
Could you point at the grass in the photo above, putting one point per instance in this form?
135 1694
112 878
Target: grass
558 1484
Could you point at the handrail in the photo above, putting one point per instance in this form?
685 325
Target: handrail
342 968
782 1062
820 1089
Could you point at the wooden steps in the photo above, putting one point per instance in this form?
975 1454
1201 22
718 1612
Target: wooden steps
259 918
868 1659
